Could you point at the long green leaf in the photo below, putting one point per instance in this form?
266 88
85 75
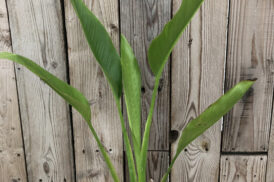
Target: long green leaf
209 117
162 45
74 97
147 132
131 77
101 46
132 89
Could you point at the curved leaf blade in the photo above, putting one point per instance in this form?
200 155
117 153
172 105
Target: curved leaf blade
132 88
101 45
209 117
131 78
74 97
69 93
163 44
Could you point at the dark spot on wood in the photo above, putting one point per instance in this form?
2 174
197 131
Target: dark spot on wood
253 79
46 167
65 180
254 59
93 174
12 128
18 179
1 15
18 155
185 150
83 151
190 42
100 95
110 150
1 151
143 90
205 146
161 84
96 150
173 136
226 159
261 158
113 26
40 180
233 148
54 64
18 68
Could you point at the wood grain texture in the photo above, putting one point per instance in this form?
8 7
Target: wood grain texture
157 166
141 22
86 75
12 161
37 33
250 55
197 81
241 168
270 158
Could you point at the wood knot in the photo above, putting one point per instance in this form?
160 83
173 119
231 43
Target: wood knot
173 136
205 146
46 167
54 64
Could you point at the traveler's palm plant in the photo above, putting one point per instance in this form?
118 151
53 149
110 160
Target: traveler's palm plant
123 73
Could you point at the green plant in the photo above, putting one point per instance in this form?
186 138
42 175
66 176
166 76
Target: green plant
122 72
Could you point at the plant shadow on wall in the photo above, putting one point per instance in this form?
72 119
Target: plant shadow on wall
122 73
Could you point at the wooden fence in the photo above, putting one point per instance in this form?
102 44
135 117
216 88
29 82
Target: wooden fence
43 140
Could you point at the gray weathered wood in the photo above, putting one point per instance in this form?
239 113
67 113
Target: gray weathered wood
37 33
250 55
242 168
197 81
86 75
270 158
12 161
141 22
157 166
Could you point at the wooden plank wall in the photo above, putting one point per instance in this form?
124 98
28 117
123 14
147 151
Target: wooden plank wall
12 161
43 139
86 75
37 33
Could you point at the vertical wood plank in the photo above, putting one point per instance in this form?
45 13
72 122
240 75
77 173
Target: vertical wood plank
270 158
86 75
197 81
141 22
12 161
240 168
250 55
37 33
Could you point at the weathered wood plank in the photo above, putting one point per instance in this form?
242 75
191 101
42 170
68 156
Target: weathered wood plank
241 168
37 33
141 22
12 161
157 166
250 55
270 158
86 75
197 81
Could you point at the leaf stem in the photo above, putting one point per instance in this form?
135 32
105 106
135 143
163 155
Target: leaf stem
104 153
142 177
129 154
